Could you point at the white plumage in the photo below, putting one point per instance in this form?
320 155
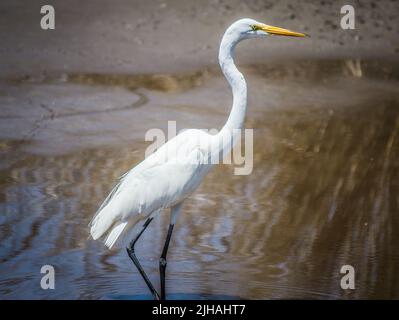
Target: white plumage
162 180
175 170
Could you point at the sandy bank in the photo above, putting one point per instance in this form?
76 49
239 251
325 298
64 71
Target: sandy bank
127 36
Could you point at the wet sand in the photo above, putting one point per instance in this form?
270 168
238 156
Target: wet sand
136 37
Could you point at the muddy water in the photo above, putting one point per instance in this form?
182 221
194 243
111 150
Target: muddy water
324 193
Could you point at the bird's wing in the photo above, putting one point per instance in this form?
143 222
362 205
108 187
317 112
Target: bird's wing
156 182
175 149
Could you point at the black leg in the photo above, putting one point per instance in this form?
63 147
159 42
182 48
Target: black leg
132 255
163 262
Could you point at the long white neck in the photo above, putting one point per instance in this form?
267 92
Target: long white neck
229 134
236 81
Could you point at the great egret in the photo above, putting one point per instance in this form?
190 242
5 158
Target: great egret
169 175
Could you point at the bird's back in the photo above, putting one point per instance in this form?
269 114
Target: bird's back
163 179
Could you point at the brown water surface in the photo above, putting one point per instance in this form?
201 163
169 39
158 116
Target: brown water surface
324 193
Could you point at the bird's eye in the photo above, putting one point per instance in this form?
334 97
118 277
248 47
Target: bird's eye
254 27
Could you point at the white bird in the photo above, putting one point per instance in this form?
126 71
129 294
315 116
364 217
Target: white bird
169 175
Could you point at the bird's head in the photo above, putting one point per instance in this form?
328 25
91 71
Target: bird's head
249 28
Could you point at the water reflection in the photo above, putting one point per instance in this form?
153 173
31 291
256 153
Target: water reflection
324 193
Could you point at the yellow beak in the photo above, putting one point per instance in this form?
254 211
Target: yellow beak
280 31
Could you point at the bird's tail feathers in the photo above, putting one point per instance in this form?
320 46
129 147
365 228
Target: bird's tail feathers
101 223
114 234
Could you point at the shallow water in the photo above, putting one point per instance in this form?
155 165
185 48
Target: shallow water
323 193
